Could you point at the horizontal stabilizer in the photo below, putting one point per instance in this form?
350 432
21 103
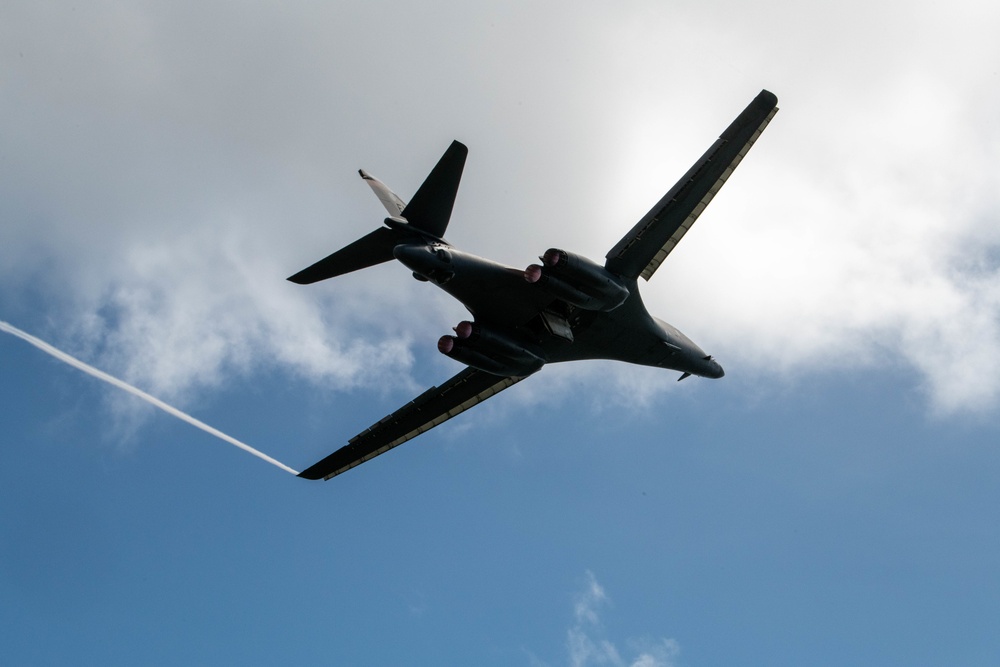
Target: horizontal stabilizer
369 250
430 209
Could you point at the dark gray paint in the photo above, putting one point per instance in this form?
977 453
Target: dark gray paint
563 312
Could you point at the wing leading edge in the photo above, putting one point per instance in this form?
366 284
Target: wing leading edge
643 249
435 406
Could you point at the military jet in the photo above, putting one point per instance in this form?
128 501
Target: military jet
564 309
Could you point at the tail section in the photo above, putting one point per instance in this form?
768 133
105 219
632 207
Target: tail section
393 204
427 214
430 209
369 250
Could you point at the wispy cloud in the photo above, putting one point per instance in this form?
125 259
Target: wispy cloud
587 645
184 314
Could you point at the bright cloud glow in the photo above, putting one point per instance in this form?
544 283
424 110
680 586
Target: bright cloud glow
158 204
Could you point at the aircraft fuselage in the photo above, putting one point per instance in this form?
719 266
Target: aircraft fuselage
564 308
500 297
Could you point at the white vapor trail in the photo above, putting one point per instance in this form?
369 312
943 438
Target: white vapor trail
101 375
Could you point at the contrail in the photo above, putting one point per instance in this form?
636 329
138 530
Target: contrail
101 375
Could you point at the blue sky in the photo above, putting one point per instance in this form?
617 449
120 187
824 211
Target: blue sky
830 501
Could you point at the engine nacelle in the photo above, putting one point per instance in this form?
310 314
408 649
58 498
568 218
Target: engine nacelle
577 280
487 350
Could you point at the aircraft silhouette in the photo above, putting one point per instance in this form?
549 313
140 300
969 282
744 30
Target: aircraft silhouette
564 309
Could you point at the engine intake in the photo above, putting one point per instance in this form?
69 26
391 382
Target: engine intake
489 350
577 281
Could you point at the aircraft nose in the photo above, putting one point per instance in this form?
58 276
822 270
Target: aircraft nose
714 368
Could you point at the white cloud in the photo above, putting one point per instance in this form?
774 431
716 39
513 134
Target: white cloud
165 167
589 601
861 232
191 311
586 645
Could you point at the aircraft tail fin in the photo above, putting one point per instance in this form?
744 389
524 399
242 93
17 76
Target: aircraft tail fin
430 209
390 200
427 214
369 250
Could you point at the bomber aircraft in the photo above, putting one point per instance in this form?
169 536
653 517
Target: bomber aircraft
564 309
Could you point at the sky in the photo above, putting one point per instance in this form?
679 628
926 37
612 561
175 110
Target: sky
165 166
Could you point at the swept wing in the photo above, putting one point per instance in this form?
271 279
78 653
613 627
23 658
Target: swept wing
509 304
643 249
435 406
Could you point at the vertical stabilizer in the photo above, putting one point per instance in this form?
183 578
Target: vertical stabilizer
429 212
390 200
430 209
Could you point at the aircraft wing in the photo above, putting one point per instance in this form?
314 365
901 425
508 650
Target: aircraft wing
647 244
433 407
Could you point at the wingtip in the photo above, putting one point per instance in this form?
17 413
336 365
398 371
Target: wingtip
458 147
325 468
311 474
